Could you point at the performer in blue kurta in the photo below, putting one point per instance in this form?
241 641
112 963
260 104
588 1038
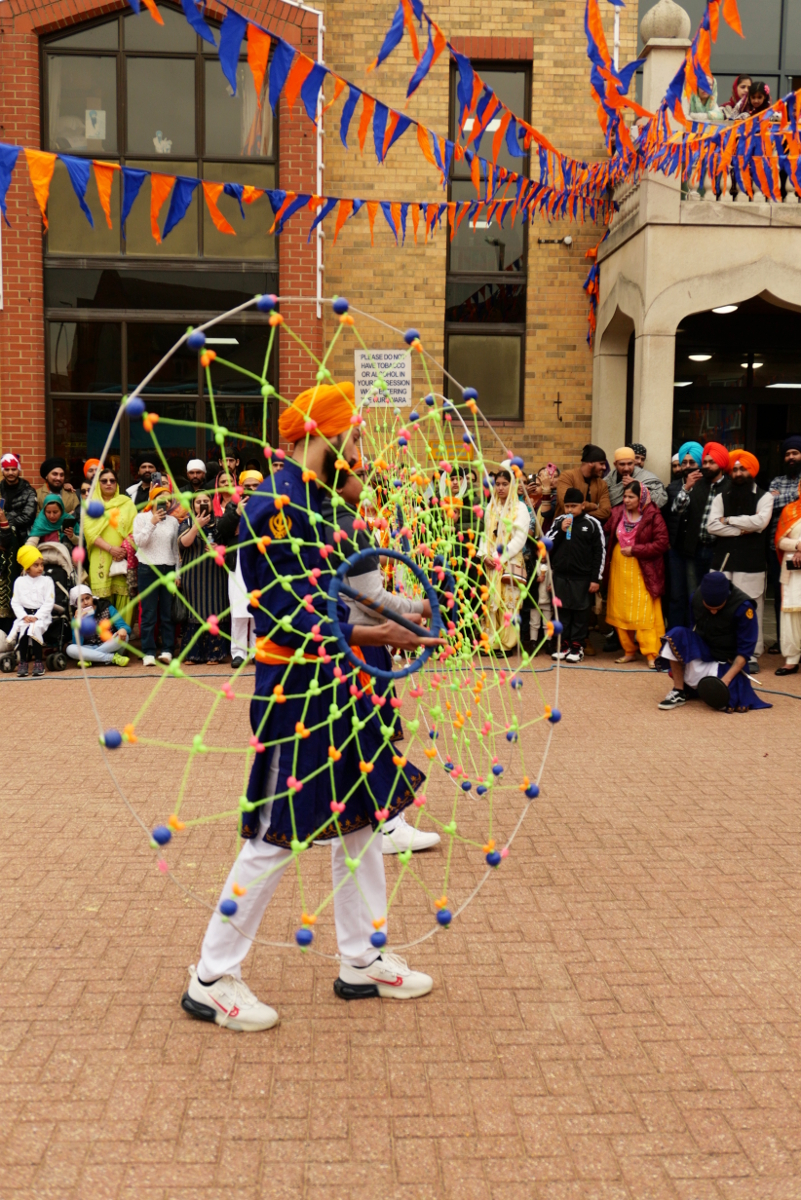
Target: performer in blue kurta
719 645
318 776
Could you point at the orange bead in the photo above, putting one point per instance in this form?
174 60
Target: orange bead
276 319
238 890
207 358
346 319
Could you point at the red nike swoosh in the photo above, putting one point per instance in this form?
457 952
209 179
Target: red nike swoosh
396 982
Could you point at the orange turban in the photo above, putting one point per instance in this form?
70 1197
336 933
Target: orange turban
87 466
744 458
330 405
719 453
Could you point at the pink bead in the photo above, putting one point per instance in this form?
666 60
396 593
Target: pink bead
293 784
163 866
256 744
280 454
309 426
78 554
505 852
395 701
214 625
419 801
268 451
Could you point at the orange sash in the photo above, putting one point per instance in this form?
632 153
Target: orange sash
787 519
268 651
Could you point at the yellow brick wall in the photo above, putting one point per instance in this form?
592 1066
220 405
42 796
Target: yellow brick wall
406 287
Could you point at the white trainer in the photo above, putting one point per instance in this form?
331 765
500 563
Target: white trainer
149 660
403 836
228 1002
165 657
389 976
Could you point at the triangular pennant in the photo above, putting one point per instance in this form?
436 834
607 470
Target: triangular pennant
380 118
258 56
160 187
345 209
78 171
310 90
339 87
154 12
294 82
40 168
372 209
232 33
280 67
368 105
104 178
393 37
212 192
181 198
415 220
8 160
196 21
132 180
329 206
348 110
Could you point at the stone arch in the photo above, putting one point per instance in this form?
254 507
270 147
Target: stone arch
610 380
731 285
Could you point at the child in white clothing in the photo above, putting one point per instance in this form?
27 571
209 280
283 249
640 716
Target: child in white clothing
32 604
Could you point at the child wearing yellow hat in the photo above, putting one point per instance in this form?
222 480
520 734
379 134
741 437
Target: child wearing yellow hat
32 604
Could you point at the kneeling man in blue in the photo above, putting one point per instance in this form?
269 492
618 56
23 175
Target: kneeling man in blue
717 648
323 768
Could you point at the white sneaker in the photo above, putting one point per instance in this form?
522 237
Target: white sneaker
149 660
389 976
228 1002
165 657
403 836
575 655
558 655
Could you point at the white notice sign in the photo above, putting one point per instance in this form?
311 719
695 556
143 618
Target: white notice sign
393 367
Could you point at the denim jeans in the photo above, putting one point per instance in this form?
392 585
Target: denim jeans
157 604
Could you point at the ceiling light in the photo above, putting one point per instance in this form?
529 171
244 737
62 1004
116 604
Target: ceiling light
784 385
683 383
699 357
222 341
726 308
756 366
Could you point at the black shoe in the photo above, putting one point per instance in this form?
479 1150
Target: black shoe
753 667
236 663
775 648
674 699
611 642
786 670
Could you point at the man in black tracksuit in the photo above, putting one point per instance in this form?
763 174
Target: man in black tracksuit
577 562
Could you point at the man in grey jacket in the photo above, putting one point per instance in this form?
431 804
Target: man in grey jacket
624 470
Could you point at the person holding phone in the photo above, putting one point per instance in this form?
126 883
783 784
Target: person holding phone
155 532
204 586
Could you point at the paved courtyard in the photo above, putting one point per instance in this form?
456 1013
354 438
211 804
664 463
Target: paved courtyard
616 1017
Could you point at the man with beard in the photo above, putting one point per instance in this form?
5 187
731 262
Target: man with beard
196 475
54 473
675 468
695 498
17 513
784 490
140 491
624 469
689 459
739 520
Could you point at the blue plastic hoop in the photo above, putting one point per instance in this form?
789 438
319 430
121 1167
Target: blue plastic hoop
431 596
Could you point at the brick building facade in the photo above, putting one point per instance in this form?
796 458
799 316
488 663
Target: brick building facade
402 286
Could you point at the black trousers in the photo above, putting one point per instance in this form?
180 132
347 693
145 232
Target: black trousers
575 625
28 648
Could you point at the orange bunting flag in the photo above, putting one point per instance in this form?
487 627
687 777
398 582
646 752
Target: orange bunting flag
160 188
345 209
452 217
40 168
290 196
372 209
258 56
395 210
368 107
731 16
500 134
415 211
408 20
392 125
212 192
424 142
339 87
156 15
297 77
104 178
251 193
431 216
475 173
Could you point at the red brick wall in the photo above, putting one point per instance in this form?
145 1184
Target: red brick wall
22 357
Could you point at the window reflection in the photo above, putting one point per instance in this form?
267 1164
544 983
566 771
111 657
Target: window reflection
98 37
143 33
85 357
235 125
483 301
491 365
161 106
211 291
82 104
510 88
70 232
178 442
80 429
483 246
147 345
251 239
244 346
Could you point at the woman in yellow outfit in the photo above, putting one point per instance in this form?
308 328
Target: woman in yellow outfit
104 535
506 526
638 541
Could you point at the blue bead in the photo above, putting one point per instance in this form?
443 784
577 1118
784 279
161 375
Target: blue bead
517 462
516 683
414 416
429 400
548 544
304 936
466 785
448 766
196 340
494 859
266 303
378 939
88 627
95 508
403 441
532 791
112 738
161 835
511 736
481 789
469 394
340 306
557 627
555 717
444 916
411 335
228 908
432 733
135 407
497 769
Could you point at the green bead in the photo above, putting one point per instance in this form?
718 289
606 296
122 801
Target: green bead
298 847
413 726
267 390
314 688
197 743
405 856
334 712
353 864
450 828
436 712
245 805
387 732
357 724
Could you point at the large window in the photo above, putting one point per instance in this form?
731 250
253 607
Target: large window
126 90
485 305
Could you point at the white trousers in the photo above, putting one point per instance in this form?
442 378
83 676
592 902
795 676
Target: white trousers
791 637
243 636
545 607
753 584
695 670
356 903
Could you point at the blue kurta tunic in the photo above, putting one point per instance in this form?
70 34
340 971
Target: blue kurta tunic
318 712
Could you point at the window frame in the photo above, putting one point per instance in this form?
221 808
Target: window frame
459 173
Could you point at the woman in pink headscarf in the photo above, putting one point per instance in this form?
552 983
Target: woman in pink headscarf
638 542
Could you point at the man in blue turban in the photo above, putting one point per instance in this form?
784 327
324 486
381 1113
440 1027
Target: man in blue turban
689 461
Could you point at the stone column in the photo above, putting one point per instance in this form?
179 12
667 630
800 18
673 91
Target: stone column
652 423
609 372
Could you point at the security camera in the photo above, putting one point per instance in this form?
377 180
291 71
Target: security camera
568 241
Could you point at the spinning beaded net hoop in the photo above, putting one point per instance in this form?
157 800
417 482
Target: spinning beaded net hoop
463 706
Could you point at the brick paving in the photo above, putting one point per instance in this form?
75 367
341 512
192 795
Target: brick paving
616 1017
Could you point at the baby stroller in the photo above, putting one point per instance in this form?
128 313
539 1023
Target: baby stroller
59 566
